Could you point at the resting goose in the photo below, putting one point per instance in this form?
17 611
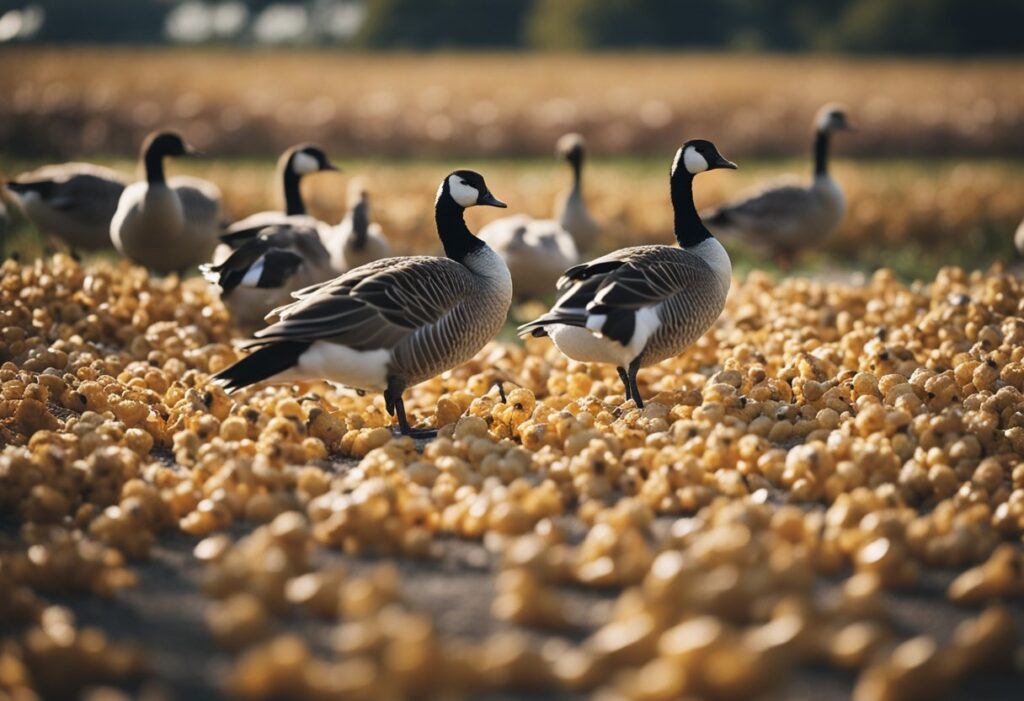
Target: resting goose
638 306
784 218
263 272
356 240
294 164
166 226
395 322
538 250
73 202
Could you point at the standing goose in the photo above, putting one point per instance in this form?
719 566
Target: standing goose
395 322
166 226
73 202
538 250
293 165
356 241
782 219
572 212
638 306
263 272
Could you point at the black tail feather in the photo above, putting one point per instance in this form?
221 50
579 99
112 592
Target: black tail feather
43 187
237 238
261 364
536 328
276 266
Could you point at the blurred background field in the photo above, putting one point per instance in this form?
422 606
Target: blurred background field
74 101
933 176
911 215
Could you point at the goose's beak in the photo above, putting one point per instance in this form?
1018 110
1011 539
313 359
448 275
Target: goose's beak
330 166
491 201
723 162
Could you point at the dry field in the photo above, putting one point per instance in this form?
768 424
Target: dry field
824 495
826 492
70 102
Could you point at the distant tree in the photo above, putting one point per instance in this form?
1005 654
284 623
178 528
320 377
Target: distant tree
102 21
933 26
790 25
621 24
411 24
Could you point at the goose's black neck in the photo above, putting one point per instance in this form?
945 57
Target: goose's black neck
821 152
690 230
360 224
293 203
576 162
457 239
153 159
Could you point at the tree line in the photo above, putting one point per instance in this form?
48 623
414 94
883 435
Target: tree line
849 26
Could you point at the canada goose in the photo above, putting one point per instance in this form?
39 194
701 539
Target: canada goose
166 226
538 250
637 306
73 202
784 218
572 212
356 240
292 166
262 273
395 322
1018 238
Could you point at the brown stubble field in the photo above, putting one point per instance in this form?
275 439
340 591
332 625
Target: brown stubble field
82 100
932 176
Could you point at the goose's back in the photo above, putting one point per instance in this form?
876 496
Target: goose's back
79 204
537 252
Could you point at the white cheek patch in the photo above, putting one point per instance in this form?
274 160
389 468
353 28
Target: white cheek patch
465 195
675 161
694 161
828 120
304 164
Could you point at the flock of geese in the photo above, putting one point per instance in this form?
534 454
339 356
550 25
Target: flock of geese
329 302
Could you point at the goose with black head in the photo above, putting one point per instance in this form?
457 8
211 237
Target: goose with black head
357 240
166 225
538 250
393 323
783 218
292 168
640 305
